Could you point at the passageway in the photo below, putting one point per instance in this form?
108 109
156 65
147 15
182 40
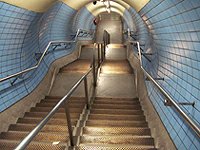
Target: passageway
100 74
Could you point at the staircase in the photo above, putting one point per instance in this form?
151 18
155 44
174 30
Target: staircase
115 119
53 136
116 123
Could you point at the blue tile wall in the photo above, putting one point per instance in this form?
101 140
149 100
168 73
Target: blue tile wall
128 19
84 20
175 30
24 33
14 25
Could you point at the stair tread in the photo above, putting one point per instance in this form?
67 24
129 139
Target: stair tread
60 97
78 66
116 123
41 136
56 115
115 111
48 109
29 127
117 139
116 117
11 144
51 105
52 121
116 130
116 106
113 147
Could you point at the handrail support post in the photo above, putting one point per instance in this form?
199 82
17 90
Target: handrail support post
86 93
69 124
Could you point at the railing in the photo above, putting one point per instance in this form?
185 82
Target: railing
101 51
169 99
51 43
131 35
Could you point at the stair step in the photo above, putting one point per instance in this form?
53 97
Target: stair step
118 123
60 110
56 115
116 131
60 97
41 137
116 102
47 104
116 117
117 139
116 106
116 111
30 127
73 101
10 145
78 66
113 147
52 121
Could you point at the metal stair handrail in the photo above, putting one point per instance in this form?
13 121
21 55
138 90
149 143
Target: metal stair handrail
195 127
24 143
44 53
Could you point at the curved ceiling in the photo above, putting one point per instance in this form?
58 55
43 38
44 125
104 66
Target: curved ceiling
100 7
43 5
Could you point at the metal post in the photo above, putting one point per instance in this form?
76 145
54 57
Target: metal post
101 50
93 66
136 80
94 73
69 124
86 93
98 55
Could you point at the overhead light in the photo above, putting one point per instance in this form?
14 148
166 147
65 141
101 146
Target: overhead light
108 10
95 2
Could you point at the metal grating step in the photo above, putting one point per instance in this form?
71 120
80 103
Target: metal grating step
116 106
136 102
116 117
118 139
51 105
113 147
52 121
73 101
10 145
116 111
41 137
113 123
57 98
46 128
60 110
56 115
116 131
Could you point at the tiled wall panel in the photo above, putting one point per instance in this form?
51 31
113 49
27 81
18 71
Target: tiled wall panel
175 31
24 33
84 20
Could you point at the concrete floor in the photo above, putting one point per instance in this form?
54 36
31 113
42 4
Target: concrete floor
116 86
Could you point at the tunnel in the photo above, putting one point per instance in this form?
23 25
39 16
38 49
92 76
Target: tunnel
100 74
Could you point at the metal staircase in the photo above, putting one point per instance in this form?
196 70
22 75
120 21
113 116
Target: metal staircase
53 136
114 119
116 123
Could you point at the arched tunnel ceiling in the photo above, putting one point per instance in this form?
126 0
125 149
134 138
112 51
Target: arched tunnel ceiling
100 7
43 5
